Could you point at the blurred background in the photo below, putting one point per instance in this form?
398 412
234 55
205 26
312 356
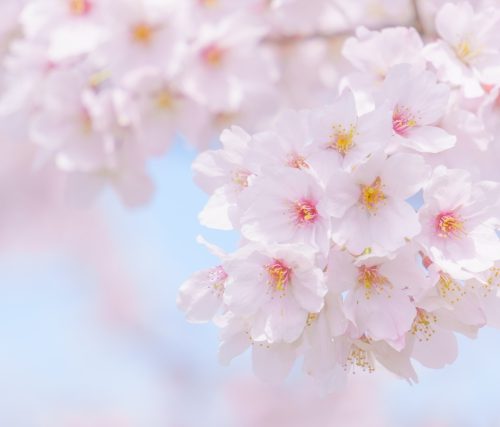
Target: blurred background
91 336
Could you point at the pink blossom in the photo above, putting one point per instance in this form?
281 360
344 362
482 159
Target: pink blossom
276 288
200 297
346 138
223 63
286 207
369 204
457 232
468 53
417 102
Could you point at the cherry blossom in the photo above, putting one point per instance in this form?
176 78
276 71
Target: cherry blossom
357 159
275 289
371 202
418 102
387 191
457 217
467 53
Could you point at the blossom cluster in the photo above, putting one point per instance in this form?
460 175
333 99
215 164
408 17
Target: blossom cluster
369 225
102 86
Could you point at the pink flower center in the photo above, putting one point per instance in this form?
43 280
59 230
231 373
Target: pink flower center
306 211
402 120
372 195
213 55
448 224
279 274
80 7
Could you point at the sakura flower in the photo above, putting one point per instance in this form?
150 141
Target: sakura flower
369 207
41 16
161 110
377 293
224 64
343 136
485 286
457 229
225 175
418 102
432 343
276 287
473 146
286 207
468 54
373 53
443 309
200 297
362 355
142 33
450 298
287 144
271 362
321 354
67 123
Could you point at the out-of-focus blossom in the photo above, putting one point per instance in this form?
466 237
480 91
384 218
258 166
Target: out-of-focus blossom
94 81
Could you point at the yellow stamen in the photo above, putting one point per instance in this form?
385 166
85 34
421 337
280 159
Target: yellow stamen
372 281
448 289
279 275
464 50
490 285
359 358
422 325
448 224
342 140
372 195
